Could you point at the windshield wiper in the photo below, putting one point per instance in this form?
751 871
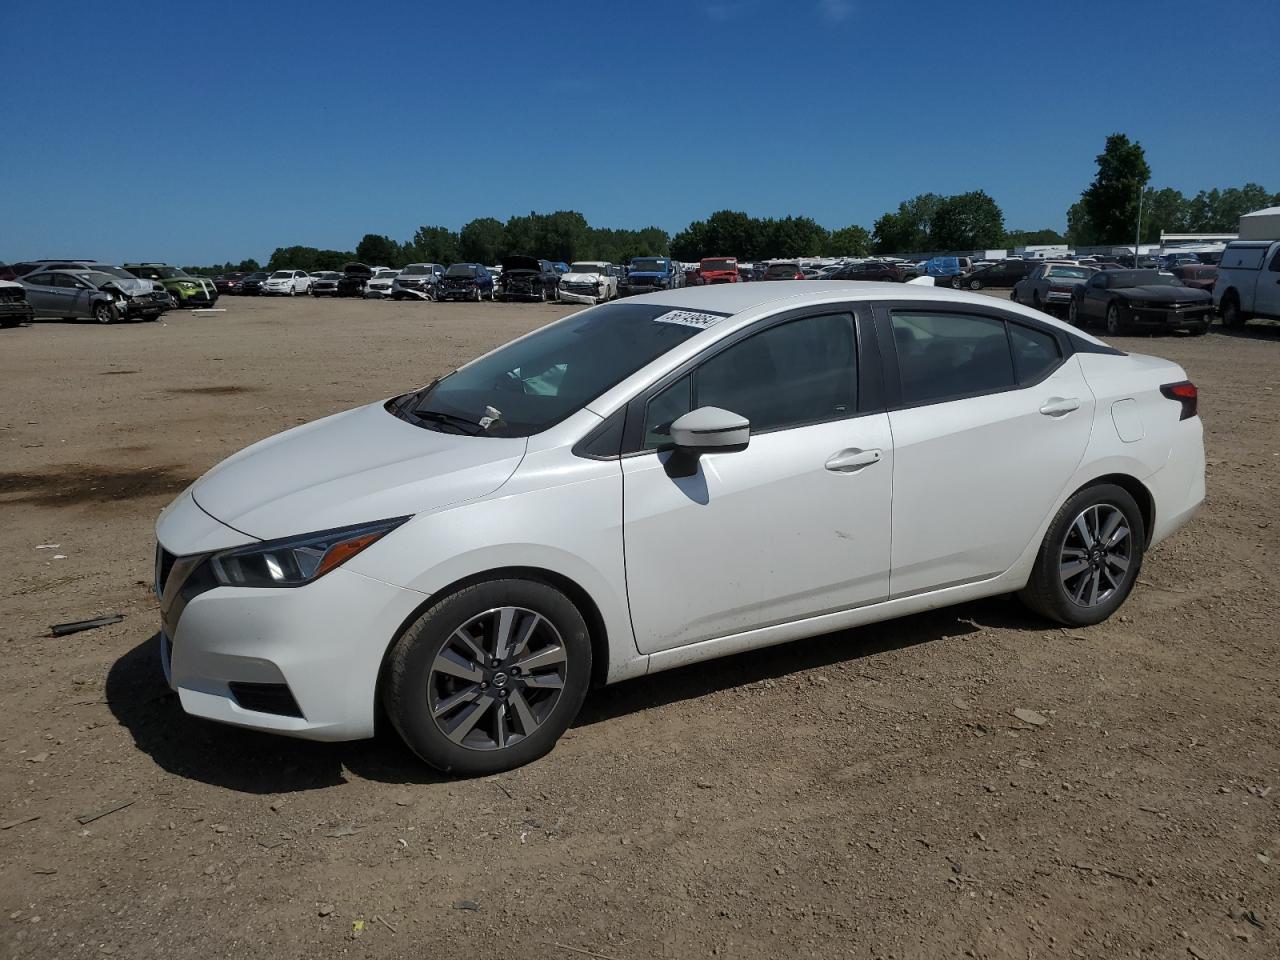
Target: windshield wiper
462 424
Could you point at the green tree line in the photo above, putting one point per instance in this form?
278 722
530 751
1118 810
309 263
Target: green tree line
1105 213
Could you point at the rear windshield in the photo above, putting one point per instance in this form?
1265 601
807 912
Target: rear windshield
782 270
534 383
1069 273
719 264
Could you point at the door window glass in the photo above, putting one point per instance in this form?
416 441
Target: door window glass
39 279
944 356
799 372
1035 352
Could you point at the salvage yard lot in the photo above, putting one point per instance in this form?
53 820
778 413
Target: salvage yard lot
864 794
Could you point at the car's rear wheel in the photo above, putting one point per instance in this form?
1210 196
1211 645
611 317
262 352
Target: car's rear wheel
975 284
490 677
1090 557
104 312
1073 313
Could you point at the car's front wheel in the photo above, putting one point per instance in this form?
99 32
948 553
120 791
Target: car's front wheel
104 312
1090 557
490 677
1115 323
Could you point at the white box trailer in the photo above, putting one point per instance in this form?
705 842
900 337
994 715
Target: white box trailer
1261 225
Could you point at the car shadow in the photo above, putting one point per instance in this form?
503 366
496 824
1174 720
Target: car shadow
1256 330
247 761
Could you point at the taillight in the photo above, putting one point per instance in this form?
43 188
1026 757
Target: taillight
798 276
1186 394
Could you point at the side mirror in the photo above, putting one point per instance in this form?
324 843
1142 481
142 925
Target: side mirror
711 430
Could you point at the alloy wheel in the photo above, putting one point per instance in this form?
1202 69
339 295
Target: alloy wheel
1095 555
497 678
1113 320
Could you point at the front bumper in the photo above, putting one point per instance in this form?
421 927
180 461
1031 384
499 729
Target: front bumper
148 307
457 293
582 296
302 661
199 296
16 311
377 292
1171 318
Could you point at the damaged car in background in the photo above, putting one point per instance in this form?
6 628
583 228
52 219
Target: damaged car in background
379 285
184 289
14 308
355 277
417 281
91 294
465 281
589 282
528 278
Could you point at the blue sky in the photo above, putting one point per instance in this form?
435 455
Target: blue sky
193 133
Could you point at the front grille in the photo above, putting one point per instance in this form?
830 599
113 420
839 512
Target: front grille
590 288
274 698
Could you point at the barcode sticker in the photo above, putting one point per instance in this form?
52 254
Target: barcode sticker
689 318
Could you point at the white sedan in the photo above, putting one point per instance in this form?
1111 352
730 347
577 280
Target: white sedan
287 283
659 481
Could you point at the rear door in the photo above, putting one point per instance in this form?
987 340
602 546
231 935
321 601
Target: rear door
990 416
794 526
43 295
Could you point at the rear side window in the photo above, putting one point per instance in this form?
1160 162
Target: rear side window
1035 352
1244 258
944 356
947 356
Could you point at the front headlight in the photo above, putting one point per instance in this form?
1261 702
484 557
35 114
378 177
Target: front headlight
187 285
296 561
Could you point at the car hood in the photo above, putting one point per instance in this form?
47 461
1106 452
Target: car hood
581 277
362 465
1162 294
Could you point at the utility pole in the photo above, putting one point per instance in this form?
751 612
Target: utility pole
1137 237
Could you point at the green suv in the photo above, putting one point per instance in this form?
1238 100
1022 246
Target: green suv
184 289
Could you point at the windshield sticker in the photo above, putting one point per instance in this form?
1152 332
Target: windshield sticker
689 318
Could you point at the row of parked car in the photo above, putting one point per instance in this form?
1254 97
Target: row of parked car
92 290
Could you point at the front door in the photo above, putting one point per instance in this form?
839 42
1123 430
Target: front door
794 526
992 422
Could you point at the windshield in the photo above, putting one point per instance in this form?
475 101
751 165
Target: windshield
719 264
1140 278
256 276
1069 273
586 268
534 383
97 277
415 270
461 270
329 276
163 273
282 275
649 266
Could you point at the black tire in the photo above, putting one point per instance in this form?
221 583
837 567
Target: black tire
409 678
956 283
1200 329
479 294
104 312
1231 314
975 284
1073 313
1045 592
1035 300
1115 320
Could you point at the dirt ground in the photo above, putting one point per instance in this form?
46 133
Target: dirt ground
865 794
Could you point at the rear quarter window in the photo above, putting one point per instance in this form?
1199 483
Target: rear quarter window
1243 258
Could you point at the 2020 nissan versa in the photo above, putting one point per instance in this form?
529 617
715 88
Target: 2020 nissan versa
660 481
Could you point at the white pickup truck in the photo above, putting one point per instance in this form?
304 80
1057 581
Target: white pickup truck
1248 283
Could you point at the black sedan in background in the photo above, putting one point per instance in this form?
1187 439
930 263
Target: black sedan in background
1131 300
251 286
229 283
1006 273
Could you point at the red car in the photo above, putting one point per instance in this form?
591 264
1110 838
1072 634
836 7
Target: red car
718 270
1202 276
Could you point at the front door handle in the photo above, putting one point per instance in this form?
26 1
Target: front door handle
1059 406
852 460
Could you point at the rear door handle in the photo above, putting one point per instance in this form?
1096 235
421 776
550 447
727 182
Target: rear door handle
1059 406
852 460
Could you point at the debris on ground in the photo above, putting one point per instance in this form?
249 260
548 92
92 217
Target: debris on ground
76 626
